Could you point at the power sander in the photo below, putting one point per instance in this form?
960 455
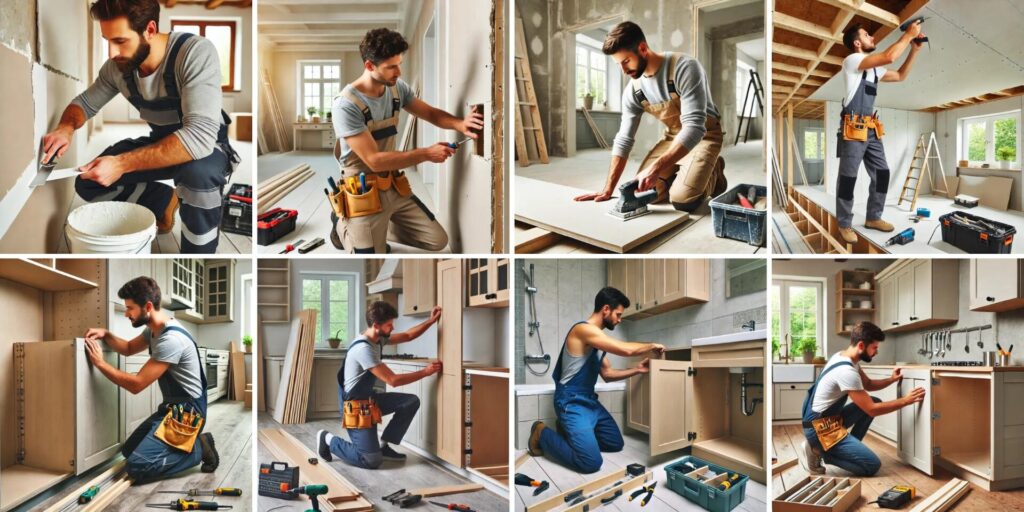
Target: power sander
632 204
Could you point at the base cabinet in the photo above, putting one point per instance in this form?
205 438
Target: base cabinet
885 425
789 400
323 390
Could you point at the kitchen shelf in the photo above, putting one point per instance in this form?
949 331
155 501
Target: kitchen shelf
866 310
978 462
856 294
42 277
740 450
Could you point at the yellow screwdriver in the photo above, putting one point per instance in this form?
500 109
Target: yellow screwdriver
220 491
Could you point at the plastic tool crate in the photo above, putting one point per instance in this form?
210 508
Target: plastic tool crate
977 235
732 220
684 481
275 224
237 210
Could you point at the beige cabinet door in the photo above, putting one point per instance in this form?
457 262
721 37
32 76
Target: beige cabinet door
450 398
98 411
671 405
887 303
993 281
698 279
914 422
923 290
419 277
428 413
905 296
323 393
789 401
885 425
653 285
638 403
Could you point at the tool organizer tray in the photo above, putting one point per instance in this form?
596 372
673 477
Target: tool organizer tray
687 482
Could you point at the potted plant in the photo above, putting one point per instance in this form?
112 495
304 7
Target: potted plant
312 115
328 116
1005 155
335 341
588 101
807 347
247 342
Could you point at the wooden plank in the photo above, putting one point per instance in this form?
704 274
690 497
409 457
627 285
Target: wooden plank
782 466
236 361
107 496
535 240
551 206
100 479
595 501
42 277
287 370
944 498
342 497
265 202
590 486
450 394
445 490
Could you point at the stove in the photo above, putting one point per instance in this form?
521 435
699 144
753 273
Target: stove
957 363
402 356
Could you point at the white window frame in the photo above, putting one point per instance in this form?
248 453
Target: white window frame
990 138
820 132
353 302
784 341
301 81
743 88
591 45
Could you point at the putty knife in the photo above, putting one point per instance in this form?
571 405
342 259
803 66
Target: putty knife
45 171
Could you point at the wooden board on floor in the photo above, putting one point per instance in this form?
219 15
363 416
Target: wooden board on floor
343 497
551 207
236 363
535 239
109 474
445 490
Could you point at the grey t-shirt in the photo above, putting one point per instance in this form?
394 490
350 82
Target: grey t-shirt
359 359
199 84
348 119
177 349
695 103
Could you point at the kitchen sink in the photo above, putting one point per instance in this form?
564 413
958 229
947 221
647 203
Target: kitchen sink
792 373
736 337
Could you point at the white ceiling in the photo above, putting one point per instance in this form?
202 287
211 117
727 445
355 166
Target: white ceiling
327 25
976 48
754 48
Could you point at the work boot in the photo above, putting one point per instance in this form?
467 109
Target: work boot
165 224
814 464
533 445
389 453
323 447
719 183
848 235
211 459
878 224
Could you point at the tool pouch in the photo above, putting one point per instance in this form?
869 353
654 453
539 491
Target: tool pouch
402 185
360 414
177 434
829 430
879 127
337 201
854 128
359 205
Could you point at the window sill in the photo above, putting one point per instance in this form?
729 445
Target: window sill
973 168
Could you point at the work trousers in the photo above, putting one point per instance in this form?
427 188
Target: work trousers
586 429
363 449
851 453
851 154
405 220
150 459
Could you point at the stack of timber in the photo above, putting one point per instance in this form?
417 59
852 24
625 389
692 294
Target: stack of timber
293 392
271 191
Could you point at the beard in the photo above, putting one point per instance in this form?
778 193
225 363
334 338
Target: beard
132 63
143 319
607 324
865 358
868 49
389 83
641 65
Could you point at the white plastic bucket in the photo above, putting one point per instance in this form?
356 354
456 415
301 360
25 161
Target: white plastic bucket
111 227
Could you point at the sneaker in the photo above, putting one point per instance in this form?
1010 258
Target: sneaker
211 459
533 445
878 224
814 464
166 223
848 234
323 448
389 453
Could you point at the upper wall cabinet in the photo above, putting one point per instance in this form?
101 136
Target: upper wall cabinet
487 282
659 285
916 294
996 284
419 286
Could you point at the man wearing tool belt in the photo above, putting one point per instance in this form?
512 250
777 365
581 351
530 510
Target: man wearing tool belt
175 365
860 131
174 81
585 428
362 408
375 202
834 430
684 166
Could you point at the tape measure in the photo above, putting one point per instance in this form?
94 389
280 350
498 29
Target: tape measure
896 497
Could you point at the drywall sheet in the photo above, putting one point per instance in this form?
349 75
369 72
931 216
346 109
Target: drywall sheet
551 207
63 26
991 191
16 142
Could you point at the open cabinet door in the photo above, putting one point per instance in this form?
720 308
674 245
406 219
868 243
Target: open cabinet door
97 411
450 395
914 422
671 388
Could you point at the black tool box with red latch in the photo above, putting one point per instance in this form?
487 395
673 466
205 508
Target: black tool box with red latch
274 224
237 210
975 234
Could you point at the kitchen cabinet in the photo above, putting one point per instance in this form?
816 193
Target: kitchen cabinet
854 287
450 396
218 288
487 282
323 392
419 286
789 400
638 390
658 285
183 277
272 368
914 422
918 293
273 296
885 425
996 284
138 407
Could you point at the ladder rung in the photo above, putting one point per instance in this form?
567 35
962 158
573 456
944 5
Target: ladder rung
521 79
526 103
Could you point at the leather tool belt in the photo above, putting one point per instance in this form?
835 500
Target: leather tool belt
355 201
180 434
360 414
855 127
830 431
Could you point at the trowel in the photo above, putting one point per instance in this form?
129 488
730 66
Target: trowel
45 170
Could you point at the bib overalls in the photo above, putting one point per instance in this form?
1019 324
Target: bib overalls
850 454
852 152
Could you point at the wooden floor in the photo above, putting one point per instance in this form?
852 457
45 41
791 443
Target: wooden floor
787 442
231 426
589 168
415 472
636 449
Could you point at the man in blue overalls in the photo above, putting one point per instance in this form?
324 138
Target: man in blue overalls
860 131
362 407
174 81
174 364
585 428
834 430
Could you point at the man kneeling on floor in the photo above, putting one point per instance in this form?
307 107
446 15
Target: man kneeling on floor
175 365
362 408
585 428
834 430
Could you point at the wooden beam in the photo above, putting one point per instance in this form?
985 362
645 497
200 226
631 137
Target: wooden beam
213 4
802 53
782 66
322 18
866 10
793 24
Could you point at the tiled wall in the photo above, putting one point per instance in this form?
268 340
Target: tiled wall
530 408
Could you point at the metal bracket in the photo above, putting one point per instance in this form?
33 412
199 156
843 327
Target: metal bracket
935 416
690 372
936 451
690 436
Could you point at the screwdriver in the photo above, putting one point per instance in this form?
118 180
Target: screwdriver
182 504
220 491
455 145
453 506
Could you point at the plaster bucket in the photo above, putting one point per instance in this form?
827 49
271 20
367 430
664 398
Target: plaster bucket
110 227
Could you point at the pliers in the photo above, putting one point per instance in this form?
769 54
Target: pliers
649 489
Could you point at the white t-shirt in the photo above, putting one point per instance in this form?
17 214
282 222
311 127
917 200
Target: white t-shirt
837 383
852 73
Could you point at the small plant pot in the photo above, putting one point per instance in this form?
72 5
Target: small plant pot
248 349
808 357
334 342
1004 164
588 102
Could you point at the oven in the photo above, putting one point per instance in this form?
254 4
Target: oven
211 367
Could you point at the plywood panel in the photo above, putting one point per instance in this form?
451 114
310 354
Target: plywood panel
49 404
22 318
551 207
670 405
450 397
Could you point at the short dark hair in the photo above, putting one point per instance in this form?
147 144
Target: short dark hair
380 312
624 36
381 44
610 297
141 290
866 332
138 12
851 35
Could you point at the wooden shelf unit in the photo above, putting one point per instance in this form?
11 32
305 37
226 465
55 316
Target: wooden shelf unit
850 316
273 290
59 276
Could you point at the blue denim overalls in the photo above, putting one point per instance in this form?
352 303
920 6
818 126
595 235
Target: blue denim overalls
850 453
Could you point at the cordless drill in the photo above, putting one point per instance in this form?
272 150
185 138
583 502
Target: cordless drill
918 39
309 490
903 237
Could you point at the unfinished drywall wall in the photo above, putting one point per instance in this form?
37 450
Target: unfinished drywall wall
23 321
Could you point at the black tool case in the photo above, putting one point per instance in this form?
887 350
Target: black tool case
275 224
273 475
976 235
237 210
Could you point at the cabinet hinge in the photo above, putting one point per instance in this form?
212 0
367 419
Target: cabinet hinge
690 436
936 451
935 416
691 372
935 381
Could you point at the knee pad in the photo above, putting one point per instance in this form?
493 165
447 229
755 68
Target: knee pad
372 460
615 445
872 467
846 184
413 403
882 180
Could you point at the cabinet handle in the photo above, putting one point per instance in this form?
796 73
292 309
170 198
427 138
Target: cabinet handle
414 308
913 318
990 299
895 323
491 296
792 386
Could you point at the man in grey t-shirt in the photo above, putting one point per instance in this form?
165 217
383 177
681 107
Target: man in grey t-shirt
174 81
174 365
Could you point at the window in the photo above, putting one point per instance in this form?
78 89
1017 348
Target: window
333 296
993 138
319 82
591 70
798 323
745 93
814 144
223 36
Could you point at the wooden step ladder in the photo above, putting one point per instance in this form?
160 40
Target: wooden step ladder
530 144
923 154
